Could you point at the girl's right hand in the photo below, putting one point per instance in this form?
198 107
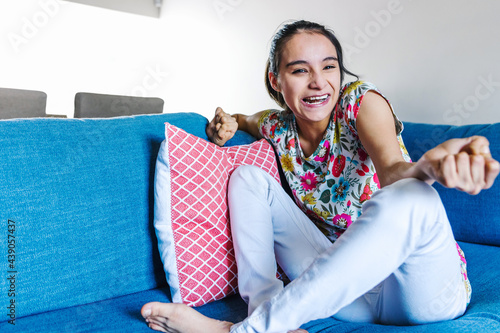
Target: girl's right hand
221 128
465 164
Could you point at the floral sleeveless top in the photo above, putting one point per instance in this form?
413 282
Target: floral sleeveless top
332 184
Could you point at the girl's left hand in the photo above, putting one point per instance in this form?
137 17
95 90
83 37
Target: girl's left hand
465 164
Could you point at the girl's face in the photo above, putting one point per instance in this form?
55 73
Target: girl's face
309 77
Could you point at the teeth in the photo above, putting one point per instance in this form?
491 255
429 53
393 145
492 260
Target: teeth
316 99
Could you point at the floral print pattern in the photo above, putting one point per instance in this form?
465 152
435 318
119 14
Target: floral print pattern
463 266
332 184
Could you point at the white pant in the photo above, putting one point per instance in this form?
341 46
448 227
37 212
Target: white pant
397 264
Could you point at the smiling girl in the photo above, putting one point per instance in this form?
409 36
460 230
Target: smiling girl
365 238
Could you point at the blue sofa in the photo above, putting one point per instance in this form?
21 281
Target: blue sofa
79 250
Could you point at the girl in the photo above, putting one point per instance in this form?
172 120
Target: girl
367 238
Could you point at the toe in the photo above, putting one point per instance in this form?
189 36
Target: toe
146 310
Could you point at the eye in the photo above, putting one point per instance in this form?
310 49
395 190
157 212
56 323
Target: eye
299 70
330 67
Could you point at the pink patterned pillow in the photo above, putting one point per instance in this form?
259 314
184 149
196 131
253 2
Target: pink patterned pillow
191 214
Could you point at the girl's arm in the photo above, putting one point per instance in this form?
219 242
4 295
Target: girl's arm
223 126
465 164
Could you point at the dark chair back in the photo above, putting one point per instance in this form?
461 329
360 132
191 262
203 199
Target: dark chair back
90 105
19 103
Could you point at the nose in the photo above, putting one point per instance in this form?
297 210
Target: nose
317 81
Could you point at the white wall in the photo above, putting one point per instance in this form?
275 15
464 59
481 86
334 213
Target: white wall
437 61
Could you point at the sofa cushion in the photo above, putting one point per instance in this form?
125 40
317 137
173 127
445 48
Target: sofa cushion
81 195
191 213
121 314
483 314
473 218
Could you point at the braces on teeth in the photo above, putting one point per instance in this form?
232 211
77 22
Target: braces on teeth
316 99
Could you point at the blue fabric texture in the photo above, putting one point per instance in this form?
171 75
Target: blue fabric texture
122 314
240 138
473 219
80 194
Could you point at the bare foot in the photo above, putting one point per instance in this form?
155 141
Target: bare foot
180 318
300 330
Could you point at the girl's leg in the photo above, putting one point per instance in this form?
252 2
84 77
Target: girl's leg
267 226
278 227
403 239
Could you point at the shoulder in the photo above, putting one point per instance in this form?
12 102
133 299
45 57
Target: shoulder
351 97
357 89
272 116
354 98
276 124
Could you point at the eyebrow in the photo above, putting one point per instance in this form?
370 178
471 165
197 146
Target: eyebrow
301 62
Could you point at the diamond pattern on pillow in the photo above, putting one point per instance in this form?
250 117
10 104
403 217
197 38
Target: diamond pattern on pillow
191 213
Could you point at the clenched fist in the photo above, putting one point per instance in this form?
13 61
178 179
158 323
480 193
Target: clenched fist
464 164
221 128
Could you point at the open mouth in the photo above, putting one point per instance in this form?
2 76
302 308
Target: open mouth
315 100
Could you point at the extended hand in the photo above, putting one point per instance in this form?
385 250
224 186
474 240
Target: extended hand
221 128
464 164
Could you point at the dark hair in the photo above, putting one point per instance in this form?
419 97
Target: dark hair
282 37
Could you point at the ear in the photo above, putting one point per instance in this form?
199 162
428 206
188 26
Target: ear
273 79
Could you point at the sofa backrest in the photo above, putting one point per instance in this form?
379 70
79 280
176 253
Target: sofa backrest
473 218
78 196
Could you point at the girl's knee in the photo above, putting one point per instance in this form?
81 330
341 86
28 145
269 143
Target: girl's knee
248 175
247 179
405 203
246 171
411 191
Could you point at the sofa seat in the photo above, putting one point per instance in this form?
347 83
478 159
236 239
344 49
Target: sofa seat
122 314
